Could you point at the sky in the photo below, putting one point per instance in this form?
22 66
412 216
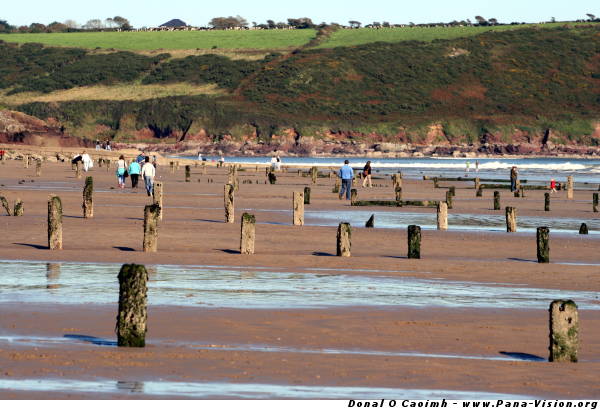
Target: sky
152 13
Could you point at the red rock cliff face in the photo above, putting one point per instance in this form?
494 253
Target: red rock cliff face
16 127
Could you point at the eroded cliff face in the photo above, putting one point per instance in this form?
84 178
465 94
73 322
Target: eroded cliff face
16 127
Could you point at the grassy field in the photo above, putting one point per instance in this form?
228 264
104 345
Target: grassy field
167 40
121 92
345 38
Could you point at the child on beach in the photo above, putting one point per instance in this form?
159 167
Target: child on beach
552 185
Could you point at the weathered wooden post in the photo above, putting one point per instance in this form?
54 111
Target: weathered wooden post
583 229
570 187
298 208
229 201
442 216
336 187
353 196
176 165
511 219
78 170
547 202
435 182
595 202
564 331
172 166
344 239
18 210
371 222
414 242
496 201
54 223
314 173
306 195
543 244
133 314
158 198
203 171
398 192
88 201
452 190
100 162
5 205
25 161
272 178
107 162
479 192
188 173
151 227
477 184
449 199
248 234
38 168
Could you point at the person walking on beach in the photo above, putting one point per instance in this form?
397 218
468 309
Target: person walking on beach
346 174
514 174
476 166
134 172
552 185
367 175
87 161
121 169
148 172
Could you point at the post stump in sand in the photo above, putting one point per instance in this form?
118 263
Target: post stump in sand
55 223
547 202
78 170
88 201
595 202
449 199
442 216
496 201
564 331
25 161
452 190
543 244
151 227
158 198
398 191
188 173
353 196
479 192
132 315
583 229
336 187
298 208
344 239
477 184
172 167
511 219
229 201
18 210
5 205
570 187
38 168
414 242
314 173
248 234
371 222
306 195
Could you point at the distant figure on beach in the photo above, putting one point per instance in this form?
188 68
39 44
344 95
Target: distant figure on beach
367 175
200 156
134 172
468 167
346 174
107 146
87 161
140 158
76 159
552 185
514 174
148 172
477 166
121 169
277 163
98 146
2 152
221 161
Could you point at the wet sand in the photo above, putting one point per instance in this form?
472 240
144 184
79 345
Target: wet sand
193 233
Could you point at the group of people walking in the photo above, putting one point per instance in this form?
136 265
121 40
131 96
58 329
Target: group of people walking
141 166
346 174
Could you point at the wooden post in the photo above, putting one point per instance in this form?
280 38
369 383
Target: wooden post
78 170
564 331
5 205
107 162
314 173
344 239
176 165
306 195
595 202
442 216
158 198
336 187
133 314
54 223
272 178
414 242
435 182
511 219
570 187
38 168
543 244
479 192
547 202
229 203
353 195
172 166
203 171
371 222
151 227
452 190
298 208
583 229
248 234
88 201
477 184
496 201
449 199
188 173
398 192
100 162
25 161
18 210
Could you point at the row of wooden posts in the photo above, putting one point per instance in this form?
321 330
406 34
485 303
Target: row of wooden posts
132 314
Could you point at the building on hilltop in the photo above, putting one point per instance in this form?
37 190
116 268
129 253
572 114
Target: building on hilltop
175 23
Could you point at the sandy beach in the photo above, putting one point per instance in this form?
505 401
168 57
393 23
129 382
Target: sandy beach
461 346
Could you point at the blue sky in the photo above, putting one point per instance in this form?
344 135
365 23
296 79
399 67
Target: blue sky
197 12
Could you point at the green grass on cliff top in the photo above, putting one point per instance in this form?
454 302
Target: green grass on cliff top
258 40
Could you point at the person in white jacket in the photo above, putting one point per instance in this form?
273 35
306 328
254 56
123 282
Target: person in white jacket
148 173
87 161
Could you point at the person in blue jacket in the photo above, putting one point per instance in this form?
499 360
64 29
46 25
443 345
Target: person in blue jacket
134 173
346 174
